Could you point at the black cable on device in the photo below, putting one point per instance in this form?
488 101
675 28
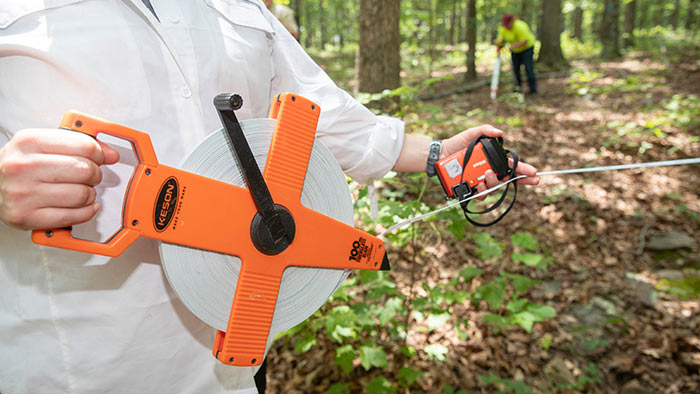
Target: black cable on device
489 151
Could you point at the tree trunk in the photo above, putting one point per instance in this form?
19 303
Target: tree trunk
658 18
307 28
690 17
630 13
644 12
322 23
674 14
453 22
471 39
461 35
379 59
431 36
539 20
298 9
550 35
578 24
610 29
340 24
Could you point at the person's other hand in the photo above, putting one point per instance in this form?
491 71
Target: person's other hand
47 178
499 43
461 141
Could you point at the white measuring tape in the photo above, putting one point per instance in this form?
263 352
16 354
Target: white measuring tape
205 281
414 219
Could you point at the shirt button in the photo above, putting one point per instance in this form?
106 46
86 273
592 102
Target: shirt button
186 92
174 19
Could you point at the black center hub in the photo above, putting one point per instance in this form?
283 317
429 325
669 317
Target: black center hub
263 237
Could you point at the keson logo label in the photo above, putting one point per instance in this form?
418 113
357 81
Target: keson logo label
165 204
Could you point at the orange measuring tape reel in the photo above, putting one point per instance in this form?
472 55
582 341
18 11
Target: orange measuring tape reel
268 232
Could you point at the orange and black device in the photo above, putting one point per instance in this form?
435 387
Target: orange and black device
265 225
460 173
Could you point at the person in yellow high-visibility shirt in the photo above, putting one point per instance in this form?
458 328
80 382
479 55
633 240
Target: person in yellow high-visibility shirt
522 47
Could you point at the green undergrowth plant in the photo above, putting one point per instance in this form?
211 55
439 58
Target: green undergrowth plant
504 385
369 320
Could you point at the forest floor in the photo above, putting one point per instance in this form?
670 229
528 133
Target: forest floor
627 317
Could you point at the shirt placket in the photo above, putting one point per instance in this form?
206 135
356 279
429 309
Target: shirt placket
171 25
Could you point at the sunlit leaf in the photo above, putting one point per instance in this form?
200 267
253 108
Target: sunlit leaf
344 357
529 259
487 246
381 385
524 240
389 310
338 388
468 273
408 376
372 356
437 320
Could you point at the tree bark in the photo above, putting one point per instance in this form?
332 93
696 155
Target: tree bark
340 22
453 22
322 23
630 15
658 15
690 17
578 23
674 14
298 8
471 39
431 36
610 30
644 12
550 35
379 59
307 27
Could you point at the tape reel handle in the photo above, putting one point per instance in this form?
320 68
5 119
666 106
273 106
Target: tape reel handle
123 237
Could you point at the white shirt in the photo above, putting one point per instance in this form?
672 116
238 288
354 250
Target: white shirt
78 323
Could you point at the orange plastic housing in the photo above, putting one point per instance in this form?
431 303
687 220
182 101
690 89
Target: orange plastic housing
450 169
179 207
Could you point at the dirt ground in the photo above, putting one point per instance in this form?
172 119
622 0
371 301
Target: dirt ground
596 227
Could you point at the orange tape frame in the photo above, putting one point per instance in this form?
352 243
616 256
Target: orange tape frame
183 208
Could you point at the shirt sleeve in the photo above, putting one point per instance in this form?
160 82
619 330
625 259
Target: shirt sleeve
366 145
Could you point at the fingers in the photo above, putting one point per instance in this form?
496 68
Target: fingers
480 188
64 142
59 217
526 169
52 169
485 129
462 140
26 205
111 156
491 180
68 169
66 195
47 178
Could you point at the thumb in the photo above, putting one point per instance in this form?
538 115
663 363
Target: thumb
111 155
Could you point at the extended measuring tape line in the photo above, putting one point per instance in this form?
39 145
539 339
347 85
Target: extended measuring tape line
414 219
